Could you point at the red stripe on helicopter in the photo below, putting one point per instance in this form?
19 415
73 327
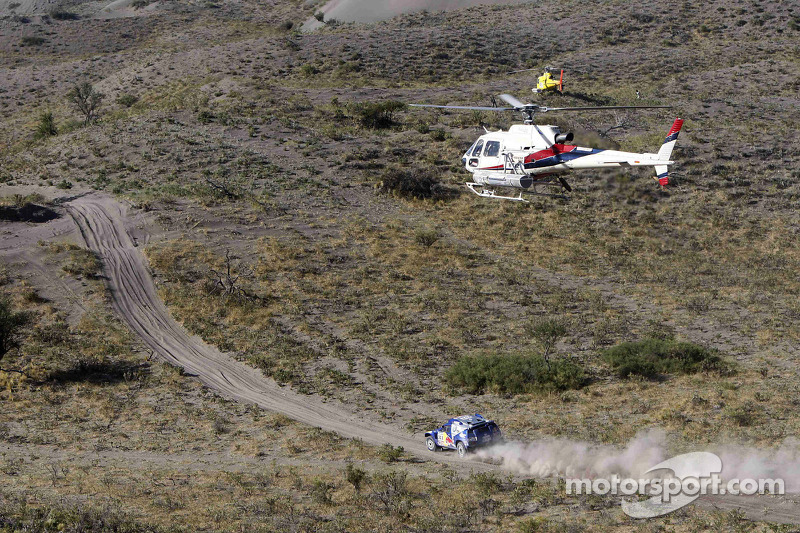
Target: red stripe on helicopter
550 152
556 149
676 126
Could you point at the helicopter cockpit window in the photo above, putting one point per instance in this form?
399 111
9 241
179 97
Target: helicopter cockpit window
492 149
477 151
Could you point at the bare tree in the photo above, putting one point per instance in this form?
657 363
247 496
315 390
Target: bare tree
228 279
86 99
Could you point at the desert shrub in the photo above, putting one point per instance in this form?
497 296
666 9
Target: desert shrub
320 492
308 70
651 357
140 4
205 117
12 324
62 14
390 454
426 237
64 184
539 524
32 40
744 415
391 492
547 332
18 515
83 263
127 99
487 483
46 127
514 374
376 115
413 183
355 476
439 135
86 100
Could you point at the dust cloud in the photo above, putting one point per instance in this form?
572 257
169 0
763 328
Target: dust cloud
579 459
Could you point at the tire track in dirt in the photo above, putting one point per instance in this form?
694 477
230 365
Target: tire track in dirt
134 298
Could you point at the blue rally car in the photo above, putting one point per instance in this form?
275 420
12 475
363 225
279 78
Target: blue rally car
463 433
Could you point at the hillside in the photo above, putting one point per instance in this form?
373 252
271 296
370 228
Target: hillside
255 164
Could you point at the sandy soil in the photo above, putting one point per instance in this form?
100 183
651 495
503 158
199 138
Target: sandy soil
368 11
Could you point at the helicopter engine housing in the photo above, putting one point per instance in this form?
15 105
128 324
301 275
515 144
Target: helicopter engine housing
563 138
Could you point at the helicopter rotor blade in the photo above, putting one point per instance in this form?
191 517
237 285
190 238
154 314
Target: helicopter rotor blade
523 70
476 108
507 98
595 108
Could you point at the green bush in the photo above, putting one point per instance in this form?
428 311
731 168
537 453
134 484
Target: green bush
413 183
33 41
355 476
651 357
62 14
390 454
426 237
308 70
205 117
46 127
514 374
377 115
127 99
439 135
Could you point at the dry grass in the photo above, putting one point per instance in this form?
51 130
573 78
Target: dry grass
242 126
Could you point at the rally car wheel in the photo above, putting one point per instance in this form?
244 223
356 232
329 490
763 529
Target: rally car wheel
461 449
429 442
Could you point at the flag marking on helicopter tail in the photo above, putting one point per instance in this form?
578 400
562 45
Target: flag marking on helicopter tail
674 130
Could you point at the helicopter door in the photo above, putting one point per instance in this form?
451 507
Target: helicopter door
491 156
476 152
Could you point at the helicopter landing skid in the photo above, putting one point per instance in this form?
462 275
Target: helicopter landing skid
486 192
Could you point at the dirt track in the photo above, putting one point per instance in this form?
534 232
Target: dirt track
134 297
101 221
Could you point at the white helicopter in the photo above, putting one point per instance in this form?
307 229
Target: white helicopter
529 154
